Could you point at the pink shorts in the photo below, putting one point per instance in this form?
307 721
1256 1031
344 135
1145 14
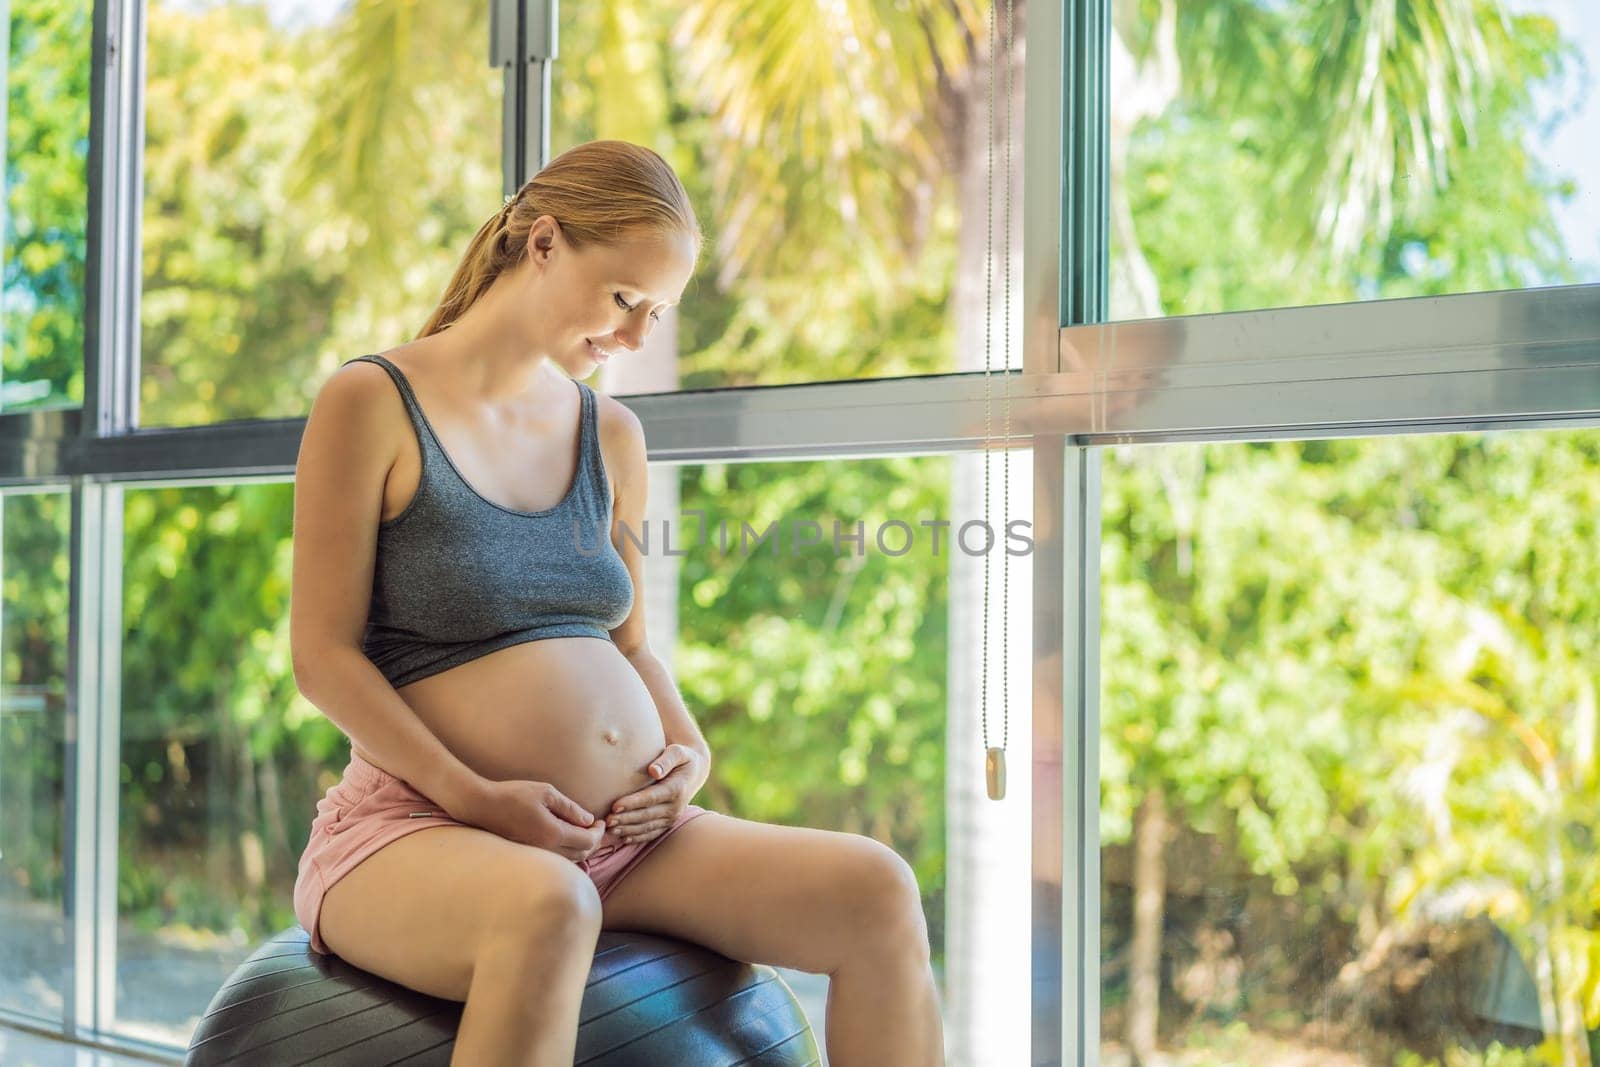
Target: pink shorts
370 807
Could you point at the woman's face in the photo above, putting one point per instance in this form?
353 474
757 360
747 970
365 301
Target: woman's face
601 303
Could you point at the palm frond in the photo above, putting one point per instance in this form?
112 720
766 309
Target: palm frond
825 108
375 125
1394 85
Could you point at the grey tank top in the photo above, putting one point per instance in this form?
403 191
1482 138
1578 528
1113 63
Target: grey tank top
458 576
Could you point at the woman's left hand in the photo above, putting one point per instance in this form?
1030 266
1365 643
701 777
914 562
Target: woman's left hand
643 815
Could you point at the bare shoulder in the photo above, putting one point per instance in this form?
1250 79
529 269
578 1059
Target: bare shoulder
355 385
357 378
622 444
617 420
367 383
346 451
359 407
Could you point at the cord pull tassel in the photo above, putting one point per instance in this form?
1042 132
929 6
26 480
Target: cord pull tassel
995 761
994 767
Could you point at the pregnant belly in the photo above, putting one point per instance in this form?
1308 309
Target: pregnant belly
570 711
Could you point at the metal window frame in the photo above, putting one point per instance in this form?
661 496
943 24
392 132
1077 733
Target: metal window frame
1526 358
523 42
1066 803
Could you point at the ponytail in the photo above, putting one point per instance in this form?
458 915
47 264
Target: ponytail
601 192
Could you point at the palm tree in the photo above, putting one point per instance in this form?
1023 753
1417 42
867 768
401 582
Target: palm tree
1359 103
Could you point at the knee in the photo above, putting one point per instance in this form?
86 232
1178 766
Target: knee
559 905
891 898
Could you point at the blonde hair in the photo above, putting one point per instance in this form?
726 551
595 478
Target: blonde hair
601 192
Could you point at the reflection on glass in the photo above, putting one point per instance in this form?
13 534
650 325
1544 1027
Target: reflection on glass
1308 152
34 960
837 162
1348 750
44 47
313 173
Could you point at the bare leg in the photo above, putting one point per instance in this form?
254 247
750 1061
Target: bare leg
522 1007
819 901
883 1011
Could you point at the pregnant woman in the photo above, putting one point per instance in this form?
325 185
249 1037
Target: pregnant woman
468 611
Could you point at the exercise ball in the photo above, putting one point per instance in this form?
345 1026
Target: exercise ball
649 1000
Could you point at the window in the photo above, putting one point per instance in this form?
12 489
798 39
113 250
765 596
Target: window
312 174
1348 715
33 735
218 768
1274 154
835 156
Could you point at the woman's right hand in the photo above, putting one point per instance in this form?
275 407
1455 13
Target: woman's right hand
532 813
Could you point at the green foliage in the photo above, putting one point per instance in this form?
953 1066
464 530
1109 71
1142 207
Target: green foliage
276 245
46 210
818 678
1331 653
33 643
1254 189
1496 1055
1369 665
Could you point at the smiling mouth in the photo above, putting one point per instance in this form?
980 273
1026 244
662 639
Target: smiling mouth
604 352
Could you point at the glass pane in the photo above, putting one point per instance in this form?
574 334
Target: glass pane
840 685
1348 770
35 528
44 218
837 163
312 172
1306 152
220 753
828 662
